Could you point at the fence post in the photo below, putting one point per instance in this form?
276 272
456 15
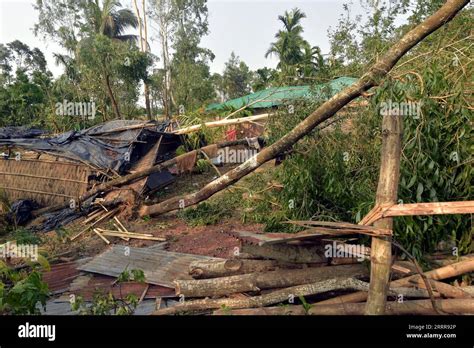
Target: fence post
387 191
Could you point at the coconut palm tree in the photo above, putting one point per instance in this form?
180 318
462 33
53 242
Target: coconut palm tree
108 19
289 46
111 21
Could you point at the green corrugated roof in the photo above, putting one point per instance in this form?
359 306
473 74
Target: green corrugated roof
278 95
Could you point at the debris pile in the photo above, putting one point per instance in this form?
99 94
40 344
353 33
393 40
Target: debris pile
310 274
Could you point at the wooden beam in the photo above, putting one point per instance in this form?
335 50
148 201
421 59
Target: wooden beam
412 209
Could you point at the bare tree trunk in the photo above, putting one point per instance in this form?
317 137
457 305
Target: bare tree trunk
273 297
143 32
387 193
215 269
163 12
146 89
115 106
370 79
268 280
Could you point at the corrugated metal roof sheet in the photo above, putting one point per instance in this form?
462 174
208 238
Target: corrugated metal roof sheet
278 95
160 267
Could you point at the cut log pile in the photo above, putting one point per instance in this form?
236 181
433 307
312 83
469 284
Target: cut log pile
262 278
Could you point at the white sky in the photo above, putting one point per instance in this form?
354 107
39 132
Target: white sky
246 27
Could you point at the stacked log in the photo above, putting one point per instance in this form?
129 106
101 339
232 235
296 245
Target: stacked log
256 287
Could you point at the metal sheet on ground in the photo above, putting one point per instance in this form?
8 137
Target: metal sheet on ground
159 266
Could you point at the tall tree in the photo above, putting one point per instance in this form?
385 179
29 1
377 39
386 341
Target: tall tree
263 78
163 14
236 78
289 45
108 20
193 83
143 31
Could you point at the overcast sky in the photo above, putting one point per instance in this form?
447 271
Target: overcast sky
246 27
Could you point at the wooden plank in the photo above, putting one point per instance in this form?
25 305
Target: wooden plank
413 209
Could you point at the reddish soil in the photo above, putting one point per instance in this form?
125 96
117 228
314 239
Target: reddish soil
209 240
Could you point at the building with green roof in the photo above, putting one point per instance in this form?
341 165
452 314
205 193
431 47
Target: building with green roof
275 96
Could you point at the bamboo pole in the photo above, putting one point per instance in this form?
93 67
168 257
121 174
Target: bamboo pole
449 271
387 192
221 123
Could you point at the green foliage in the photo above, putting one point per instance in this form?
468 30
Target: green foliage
135 275
333 173
105 304
307 306
297 58
203 166
204 214
236 78
25 236
20 292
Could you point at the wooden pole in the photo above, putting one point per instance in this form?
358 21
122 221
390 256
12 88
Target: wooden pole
387 191
417 307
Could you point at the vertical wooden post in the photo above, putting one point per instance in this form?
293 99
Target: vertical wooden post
387 191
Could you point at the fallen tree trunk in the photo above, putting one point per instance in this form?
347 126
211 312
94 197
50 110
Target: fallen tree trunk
287 253
221 123
370 79
127 179
445 272
216 269
267 280
417 307
273 297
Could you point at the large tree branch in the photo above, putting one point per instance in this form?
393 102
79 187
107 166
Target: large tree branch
372 78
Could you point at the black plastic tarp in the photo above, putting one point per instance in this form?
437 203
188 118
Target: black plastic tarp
19 132
114 145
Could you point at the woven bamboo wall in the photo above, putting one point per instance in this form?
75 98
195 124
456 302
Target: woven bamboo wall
46 182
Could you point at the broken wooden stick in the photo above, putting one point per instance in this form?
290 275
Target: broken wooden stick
445 272
434 208
273 297
100 219
370 79
101 236
130 235
268 280
416 307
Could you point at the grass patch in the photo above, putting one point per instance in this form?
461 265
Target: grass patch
204 214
